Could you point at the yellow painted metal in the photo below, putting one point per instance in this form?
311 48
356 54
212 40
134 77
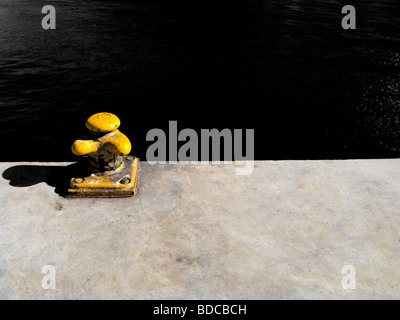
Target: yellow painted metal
108 170
114 142
108 184
103 122
82 147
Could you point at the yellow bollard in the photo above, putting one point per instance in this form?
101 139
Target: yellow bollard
106 169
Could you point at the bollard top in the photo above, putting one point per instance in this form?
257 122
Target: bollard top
103 122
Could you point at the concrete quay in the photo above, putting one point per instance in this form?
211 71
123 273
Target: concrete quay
202 232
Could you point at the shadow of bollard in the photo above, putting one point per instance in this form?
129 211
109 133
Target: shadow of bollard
29 175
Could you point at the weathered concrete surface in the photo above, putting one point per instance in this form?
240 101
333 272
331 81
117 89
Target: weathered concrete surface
201 232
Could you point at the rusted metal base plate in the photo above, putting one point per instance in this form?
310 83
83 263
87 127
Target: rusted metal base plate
123 182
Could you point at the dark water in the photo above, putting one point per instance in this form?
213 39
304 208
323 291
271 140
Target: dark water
287 69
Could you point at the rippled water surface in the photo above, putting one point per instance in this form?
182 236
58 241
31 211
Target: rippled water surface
285 68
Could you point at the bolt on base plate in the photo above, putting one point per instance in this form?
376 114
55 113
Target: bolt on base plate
122 182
